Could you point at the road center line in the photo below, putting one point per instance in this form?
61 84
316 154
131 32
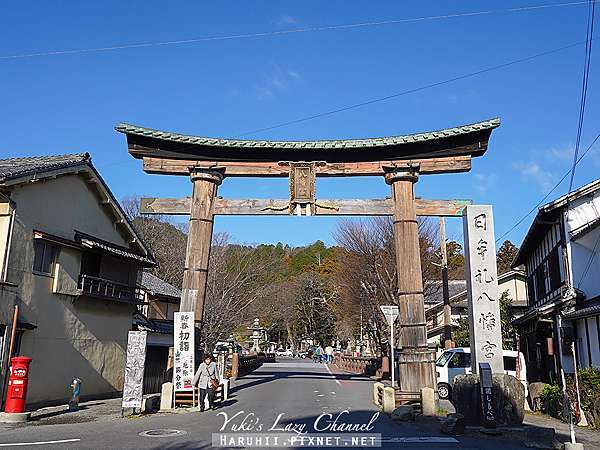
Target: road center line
22 444
331 373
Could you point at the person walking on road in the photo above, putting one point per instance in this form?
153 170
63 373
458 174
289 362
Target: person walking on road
319 353
207 380
329 354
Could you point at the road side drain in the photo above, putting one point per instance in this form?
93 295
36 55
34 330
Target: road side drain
162 433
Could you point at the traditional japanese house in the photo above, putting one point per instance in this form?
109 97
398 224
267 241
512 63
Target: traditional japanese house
563 283
70 261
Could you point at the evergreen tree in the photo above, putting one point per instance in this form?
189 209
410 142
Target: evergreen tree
505 256
456 261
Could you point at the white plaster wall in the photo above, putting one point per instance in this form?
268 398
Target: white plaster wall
581 251
583 352
581 212
520 290
594 341
65 204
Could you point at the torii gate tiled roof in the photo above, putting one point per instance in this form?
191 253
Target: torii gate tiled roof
470 139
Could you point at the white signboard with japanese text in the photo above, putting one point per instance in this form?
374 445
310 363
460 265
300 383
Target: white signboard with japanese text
183 351
482 287
134 369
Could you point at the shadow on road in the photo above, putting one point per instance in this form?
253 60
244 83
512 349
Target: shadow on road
60 412
259 377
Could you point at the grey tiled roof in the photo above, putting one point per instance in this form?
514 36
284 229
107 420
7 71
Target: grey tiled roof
319 144
434 292
586 309
12 168
157 286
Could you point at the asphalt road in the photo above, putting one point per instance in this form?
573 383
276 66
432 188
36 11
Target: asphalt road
300 397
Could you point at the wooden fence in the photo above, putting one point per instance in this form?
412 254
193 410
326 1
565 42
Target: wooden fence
189 398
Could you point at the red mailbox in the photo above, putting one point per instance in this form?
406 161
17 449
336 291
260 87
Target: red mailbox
17 385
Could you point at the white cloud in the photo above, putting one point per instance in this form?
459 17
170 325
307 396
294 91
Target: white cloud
484 182
279 79
285 19
532 171
563 154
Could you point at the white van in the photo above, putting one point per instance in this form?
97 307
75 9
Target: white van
457 361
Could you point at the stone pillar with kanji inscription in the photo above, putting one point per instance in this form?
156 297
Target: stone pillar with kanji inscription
416 362
482 286
199 240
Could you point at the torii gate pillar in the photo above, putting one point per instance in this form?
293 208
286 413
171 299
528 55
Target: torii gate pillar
199 240
416 361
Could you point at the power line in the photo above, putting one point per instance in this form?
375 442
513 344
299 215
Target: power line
585 79
406 92
411 91
520 221
586 71
287 32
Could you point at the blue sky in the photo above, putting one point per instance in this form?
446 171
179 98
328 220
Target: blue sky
70 103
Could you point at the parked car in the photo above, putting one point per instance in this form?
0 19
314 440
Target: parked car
457 361
287 353
224 347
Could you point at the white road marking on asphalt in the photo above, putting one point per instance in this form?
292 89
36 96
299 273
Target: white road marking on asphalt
21 444
331 373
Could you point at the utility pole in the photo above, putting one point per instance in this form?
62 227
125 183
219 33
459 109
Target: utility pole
445 288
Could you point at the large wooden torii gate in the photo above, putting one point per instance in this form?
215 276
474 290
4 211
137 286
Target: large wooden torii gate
399 159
